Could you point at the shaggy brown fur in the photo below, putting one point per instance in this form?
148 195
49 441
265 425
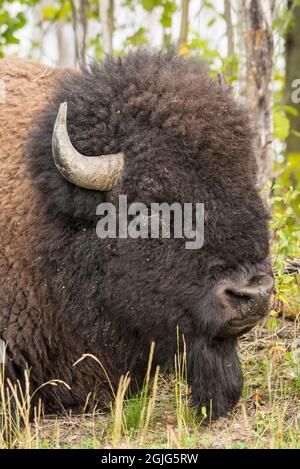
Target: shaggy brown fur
64 292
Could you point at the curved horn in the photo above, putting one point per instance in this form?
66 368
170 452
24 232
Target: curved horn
99 173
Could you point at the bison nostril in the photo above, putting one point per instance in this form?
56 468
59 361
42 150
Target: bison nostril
244 301
247 299
238 299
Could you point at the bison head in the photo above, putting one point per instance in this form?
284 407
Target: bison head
169 133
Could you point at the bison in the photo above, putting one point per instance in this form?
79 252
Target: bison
165 132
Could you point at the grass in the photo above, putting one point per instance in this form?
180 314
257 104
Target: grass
267 416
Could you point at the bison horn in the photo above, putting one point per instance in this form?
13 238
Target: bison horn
99 173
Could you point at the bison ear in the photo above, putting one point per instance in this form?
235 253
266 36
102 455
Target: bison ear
99 173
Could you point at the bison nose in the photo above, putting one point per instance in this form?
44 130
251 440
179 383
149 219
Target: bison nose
251 299
245 303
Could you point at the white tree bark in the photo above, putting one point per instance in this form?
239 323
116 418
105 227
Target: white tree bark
229 27
184 24
64 53
107 22
79 22
256 77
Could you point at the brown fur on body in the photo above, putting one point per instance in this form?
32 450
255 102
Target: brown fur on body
63 291
28 319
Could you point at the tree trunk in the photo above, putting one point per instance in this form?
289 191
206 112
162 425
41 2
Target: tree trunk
229 32
184 25
79 22
229 27
292 56
64 55
107 21
256 78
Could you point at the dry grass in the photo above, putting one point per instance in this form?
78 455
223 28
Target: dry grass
268 415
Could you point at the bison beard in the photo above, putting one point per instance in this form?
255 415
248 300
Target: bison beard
64 292
215 375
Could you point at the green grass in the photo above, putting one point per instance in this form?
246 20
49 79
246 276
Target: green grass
267 415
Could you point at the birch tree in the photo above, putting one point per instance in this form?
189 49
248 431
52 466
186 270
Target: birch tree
63 49
256 77
107 23
229 30
79 23
184 25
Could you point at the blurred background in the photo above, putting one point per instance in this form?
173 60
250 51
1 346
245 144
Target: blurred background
74 32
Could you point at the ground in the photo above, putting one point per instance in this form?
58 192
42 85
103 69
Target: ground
267 416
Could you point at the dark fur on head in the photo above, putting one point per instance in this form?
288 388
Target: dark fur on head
184 140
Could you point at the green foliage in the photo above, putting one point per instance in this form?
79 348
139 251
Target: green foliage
285 223
96 45
281 123
11 23
60 10
138 38
169 9
149 5
286 165
285 226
